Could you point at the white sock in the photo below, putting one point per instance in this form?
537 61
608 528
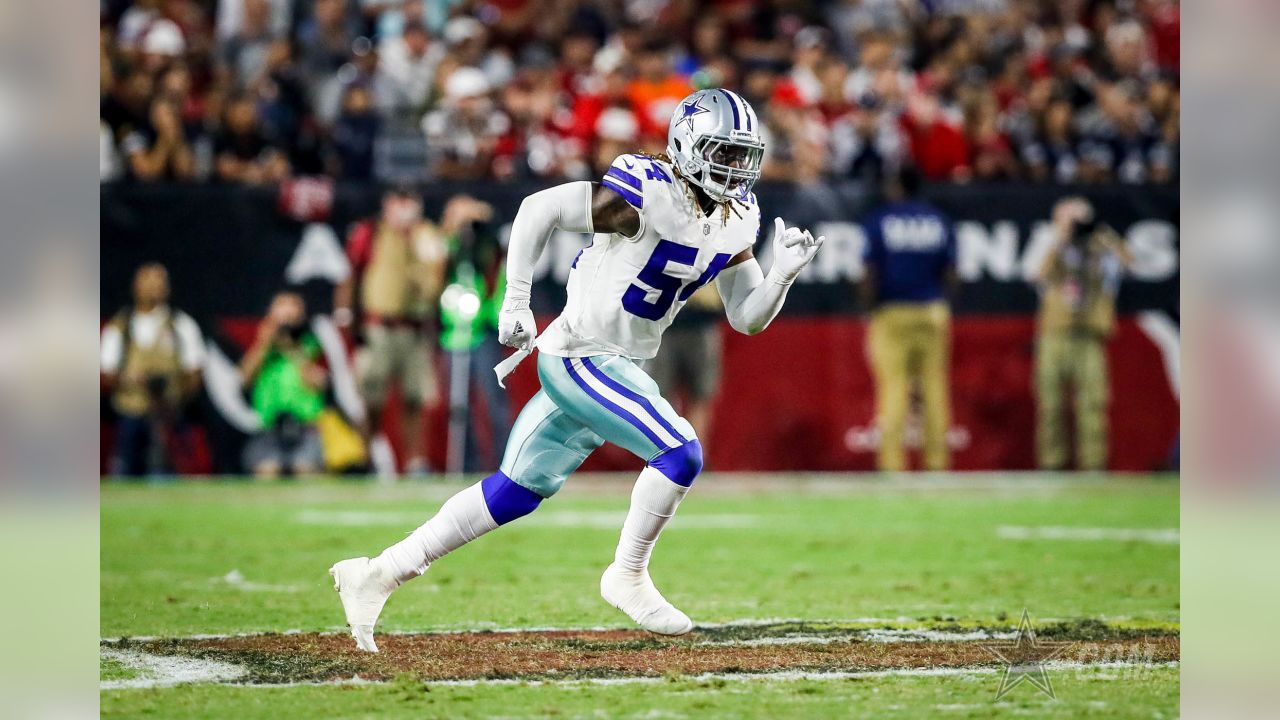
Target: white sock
653 501
463 518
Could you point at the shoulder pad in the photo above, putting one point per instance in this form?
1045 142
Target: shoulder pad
629 173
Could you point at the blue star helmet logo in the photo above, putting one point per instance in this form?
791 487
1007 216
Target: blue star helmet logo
690 109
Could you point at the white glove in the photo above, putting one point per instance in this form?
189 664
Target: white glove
793 248
516 327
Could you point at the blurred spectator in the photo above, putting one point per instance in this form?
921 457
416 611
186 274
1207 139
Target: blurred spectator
938 147
880 71
991 155
244 53
1078 282
468 41
618 133
708 42
809 54
687 366
604 91
469 305
242 151
324 42
354 135
398 264
1079 92
158 150
1052 154
286 384
795 138
656 89
151 357
280 94
1121 138
410 61
127 107
878 145
232 16
910 273
464 134
364 69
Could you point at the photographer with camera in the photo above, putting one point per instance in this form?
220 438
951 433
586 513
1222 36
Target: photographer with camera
388 305
286 386
469 306
151 357
1078 282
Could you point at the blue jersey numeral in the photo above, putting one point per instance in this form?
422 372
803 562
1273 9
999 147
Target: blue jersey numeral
654 172
635 299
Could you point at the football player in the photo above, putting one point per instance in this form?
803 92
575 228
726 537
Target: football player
663 227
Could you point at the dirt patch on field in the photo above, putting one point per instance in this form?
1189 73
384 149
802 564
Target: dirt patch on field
578 654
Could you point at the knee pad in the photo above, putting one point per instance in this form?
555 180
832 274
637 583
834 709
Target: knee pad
680 464
506 500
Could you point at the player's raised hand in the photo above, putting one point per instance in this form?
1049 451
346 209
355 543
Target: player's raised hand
516 326
793 248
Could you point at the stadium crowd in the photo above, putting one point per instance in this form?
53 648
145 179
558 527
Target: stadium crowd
254 91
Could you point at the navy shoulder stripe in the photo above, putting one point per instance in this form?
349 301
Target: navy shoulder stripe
634 198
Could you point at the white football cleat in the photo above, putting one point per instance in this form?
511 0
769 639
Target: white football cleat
364 589
634 594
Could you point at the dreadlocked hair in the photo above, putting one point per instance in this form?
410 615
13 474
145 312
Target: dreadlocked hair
725 206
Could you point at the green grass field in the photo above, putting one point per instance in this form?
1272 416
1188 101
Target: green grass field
962 550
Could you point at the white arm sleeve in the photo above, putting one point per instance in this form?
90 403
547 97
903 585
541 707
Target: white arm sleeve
567 207
751 300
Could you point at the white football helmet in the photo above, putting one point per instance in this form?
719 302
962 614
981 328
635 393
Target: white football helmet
714 141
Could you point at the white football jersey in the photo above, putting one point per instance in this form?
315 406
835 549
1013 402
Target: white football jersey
624 292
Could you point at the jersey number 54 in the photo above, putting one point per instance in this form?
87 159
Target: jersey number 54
668 286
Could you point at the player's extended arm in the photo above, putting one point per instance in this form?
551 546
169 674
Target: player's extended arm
582 207
751 298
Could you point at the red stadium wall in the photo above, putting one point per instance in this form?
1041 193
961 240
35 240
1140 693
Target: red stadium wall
800 397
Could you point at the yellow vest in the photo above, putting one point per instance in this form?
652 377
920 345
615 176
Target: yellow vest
162 359
405 275
1077 300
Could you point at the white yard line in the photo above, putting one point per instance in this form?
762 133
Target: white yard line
872 630
166 671
874 635
480 627
1164 536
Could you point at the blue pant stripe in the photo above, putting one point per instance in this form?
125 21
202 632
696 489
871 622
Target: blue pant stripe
632 395
611 407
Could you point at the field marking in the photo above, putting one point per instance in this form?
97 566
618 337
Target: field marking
167 670
871 635
601 520
878 624
873 630
1164 536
